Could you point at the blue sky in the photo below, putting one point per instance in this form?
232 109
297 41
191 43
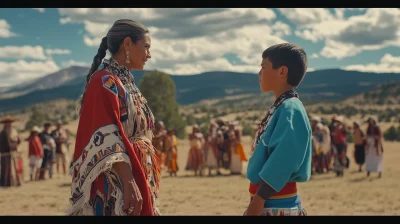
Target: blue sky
37 42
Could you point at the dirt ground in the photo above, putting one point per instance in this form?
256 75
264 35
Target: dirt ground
353 194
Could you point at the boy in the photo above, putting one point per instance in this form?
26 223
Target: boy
282 147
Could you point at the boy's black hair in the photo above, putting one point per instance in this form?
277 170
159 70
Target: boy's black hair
290 55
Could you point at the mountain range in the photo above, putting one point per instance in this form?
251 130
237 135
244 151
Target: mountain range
321 85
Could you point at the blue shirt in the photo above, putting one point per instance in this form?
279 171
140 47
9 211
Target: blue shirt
283 153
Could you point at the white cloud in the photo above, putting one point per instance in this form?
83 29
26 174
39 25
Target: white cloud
21 52
5 31
216 65
206 53
92 42
14 73
345 37
191 40
308 35
339 13
106 15
41 10
65 20
305 16
57 51
66 64
388 63
356 9
338 50
235 13
96 29
31 52
281 29
168 23
314 55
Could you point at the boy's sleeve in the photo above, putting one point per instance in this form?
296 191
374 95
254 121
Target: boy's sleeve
288 144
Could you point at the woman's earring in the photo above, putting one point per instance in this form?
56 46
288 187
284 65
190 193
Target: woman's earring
127 57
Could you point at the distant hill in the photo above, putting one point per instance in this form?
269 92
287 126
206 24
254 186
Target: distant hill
69 76
321 85
384 94
382 101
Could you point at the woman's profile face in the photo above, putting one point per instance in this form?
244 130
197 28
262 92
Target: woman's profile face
139 52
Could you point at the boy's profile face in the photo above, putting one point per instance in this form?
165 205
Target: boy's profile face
268 77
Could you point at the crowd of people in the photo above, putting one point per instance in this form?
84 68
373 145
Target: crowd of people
218 148
166 144
46 148
330 146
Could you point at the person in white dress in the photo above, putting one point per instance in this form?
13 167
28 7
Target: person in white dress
237 153
211 148
374 148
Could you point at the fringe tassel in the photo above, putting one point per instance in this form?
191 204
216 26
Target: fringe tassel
119 201
156 167
143 147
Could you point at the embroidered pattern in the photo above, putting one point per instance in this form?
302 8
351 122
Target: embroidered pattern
123 98
284 212
98 138
264 123
96 160
109 84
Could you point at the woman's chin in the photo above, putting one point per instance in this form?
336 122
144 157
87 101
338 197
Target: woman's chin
139 67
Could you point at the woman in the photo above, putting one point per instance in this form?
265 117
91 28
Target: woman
359 144
326 146
172 152
159 136
49 149
317 155
322 140
374 148
60 136
115 169
340 143
35 153
237 151
195 158
10 159
211 148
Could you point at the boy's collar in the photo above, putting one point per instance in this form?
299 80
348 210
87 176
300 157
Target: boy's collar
288 93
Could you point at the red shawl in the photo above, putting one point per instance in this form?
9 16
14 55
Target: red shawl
35 146
101 108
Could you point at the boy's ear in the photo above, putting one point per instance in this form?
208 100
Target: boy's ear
283 71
